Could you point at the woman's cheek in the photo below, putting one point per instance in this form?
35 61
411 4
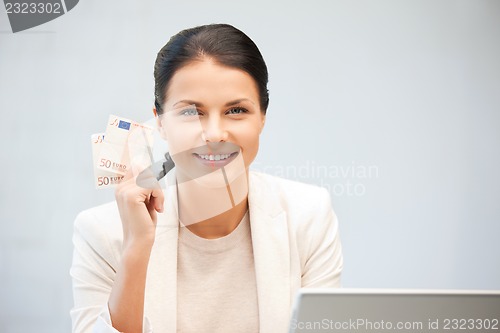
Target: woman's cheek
250 149
182 138
249 136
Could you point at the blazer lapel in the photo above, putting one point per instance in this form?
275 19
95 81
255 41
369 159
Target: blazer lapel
161 292
268 222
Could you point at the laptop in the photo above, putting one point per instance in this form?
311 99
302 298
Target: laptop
395 310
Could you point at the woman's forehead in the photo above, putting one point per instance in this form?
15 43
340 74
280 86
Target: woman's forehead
207 81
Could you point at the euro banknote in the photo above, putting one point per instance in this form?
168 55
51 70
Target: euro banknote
125 142
102 178
125 146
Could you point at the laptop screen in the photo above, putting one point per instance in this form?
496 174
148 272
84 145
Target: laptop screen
386 310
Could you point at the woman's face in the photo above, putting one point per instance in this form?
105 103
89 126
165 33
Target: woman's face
212 119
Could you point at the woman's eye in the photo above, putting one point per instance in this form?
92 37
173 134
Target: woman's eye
236 111
189 112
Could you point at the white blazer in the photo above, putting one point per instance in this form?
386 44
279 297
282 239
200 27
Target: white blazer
295 244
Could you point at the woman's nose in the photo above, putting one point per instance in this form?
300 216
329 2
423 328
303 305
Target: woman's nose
213 131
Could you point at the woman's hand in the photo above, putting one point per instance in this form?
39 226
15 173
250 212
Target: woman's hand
138 207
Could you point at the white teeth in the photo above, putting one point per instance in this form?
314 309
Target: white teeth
217 157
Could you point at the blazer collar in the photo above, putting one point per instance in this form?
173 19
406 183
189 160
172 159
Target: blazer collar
270 240
160 304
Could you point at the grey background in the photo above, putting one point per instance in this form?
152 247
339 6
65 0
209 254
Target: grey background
410 89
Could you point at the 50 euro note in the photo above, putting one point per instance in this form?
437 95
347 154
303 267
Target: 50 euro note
126 143
126 146
102 178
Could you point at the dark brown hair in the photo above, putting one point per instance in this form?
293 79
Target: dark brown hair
222 43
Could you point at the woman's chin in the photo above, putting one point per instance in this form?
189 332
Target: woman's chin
229 175
204 164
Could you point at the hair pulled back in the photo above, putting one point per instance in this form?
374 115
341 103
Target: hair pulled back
222 43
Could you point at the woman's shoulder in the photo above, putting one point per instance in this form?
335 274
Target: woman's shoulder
307 208
105 215
100 227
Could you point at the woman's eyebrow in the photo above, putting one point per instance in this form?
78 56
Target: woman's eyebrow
234 102
186 101
237 101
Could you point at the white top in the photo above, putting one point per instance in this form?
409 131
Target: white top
295 242
216 288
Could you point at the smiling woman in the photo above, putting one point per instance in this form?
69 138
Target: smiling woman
224 249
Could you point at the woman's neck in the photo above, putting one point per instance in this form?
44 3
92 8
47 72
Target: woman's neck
211 211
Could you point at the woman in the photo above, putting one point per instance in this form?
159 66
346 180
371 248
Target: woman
224 249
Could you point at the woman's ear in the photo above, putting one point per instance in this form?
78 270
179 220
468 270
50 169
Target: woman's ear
158 124
262 124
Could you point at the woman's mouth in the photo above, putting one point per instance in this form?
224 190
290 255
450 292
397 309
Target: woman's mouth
215 160
217 157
